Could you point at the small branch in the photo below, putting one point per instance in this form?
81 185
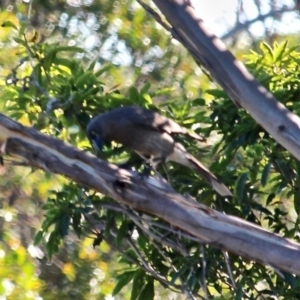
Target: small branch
203 277
226 256
137 220
146 268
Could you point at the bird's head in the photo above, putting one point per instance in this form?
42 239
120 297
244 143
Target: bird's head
95 135
96 140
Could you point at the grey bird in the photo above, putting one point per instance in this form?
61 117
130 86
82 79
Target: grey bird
150 135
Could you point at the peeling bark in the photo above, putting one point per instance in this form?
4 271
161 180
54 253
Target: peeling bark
151 195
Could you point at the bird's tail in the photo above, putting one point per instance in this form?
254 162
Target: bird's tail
181 156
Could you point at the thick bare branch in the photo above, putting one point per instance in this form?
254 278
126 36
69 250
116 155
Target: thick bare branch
231 74
152 196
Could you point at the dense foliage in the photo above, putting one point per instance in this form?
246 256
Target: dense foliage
56 86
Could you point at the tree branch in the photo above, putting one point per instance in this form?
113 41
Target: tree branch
152 196
231 74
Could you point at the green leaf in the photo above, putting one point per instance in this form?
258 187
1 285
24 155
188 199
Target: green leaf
48 60
134 95
64 225
297 201
92 91
142 240
217 93
48 205
20 41
92 65
270 198
84 78
38 237
162 92
178 274
145 88
290 279
279 51
116 96
267 50
102 70
239 293
51 219
240 187
64 62
129 253
147 292
122 232
123 280
265 174
199 102
9 24
147 98
137 284
284 170
16 115
52 244
260 208
76 222
68 49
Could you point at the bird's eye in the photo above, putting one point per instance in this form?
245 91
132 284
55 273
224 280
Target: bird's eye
93 134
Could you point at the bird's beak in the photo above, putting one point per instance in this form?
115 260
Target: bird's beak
97 144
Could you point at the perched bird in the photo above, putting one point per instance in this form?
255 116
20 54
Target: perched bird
151 136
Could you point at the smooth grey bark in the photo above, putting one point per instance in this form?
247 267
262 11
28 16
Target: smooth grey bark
188 28
152 196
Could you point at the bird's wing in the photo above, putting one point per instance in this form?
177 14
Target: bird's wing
155 121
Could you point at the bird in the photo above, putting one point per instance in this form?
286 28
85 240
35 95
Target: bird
150 135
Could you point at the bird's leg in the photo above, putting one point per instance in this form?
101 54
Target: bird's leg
155 161
166 171
147 166
147 169
150 164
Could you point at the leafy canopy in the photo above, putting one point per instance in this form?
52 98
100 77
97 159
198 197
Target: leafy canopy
52 90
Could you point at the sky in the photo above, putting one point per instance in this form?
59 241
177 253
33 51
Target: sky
220 15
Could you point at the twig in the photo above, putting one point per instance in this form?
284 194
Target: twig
226 256
203 281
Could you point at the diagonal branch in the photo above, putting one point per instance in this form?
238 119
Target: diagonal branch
231 74
152 196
